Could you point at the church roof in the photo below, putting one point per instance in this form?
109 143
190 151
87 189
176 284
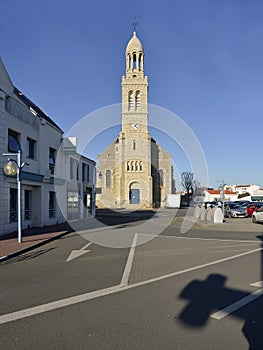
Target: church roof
134 44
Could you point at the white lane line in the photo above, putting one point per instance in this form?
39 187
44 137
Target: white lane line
202 239
57 304
237 305
128 267
103 292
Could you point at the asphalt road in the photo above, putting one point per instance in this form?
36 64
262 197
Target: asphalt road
165 290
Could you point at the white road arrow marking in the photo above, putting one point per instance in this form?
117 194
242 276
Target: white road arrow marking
76 253
240 303
257 284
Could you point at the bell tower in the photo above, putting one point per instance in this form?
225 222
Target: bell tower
135 91
133 172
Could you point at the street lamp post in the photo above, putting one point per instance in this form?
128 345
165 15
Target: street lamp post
14 167
223 197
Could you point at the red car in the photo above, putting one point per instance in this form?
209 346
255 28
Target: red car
251 207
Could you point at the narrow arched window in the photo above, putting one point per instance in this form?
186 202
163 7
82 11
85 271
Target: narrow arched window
130 100
134 60
137 100
139 61
128 166
140 166
136 166
132 166
108 178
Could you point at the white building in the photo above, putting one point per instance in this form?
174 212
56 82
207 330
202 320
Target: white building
255 193
76 197
25 127
216 195
242 189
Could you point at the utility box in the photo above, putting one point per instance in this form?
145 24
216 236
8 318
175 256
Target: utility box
172 201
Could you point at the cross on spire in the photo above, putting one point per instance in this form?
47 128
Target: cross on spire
134 23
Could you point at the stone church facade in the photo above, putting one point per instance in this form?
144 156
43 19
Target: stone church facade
134 171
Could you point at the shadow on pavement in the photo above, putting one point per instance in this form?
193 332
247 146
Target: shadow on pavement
110 217
104 217
211 295
34 231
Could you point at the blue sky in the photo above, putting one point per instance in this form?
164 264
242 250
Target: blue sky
203 59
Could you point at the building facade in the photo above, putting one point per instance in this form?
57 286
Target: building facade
252 192
76 191
134 170
216 195
25 128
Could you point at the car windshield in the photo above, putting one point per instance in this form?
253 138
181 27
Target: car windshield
234 206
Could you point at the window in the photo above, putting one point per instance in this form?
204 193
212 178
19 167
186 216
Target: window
73 205
13 205
85 172
52 204
130 100
13 142
108 178
140 166
134 145
52 158
31 148
27 213
140 62
134 60
73 169
137 100
128 166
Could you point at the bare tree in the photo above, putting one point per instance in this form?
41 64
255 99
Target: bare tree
187 179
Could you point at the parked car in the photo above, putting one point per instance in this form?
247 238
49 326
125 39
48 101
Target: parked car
251 207
257 216
234 210
212 204
242 202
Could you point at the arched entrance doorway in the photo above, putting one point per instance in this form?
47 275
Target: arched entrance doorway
134 193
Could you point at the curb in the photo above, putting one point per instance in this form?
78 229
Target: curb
27 249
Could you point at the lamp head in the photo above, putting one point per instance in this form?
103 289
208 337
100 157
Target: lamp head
10 168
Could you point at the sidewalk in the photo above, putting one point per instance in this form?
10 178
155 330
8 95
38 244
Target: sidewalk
31 238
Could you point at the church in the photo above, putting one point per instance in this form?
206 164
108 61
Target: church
134 171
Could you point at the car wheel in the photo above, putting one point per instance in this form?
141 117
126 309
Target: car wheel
254 219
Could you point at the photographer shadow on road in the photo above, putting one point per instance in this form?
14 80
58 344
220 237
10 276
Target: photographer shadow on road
211 295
